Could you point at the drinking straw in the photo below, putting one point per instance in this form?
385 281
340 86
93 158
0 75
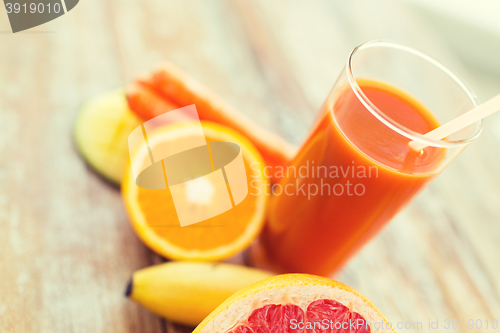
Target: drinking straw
470 117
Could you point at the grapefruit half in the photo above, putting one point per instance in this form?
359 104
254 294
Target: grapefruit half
296 303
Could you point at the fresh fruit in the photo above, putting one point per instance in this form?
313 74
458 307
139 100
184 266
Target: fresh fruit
178 89
186 292
101 133
295 303
154 216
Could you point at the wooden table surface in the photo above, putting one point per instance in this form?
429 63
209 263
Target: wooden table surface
66 247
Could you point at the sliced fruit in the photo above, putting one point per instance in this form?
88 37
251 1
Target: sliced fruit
154 216
186 292
177 88
101 133
296 303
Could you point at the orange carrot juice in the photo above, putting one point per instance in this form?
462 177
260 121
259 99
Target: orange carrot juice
351 176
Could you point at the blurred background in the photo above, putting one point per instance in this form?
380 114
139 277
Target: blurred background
66 247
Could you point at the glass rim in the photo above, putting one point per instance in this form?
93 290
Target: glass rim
394 125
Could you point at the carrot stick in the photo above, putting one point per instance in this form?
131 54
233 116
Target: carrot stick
178 88
146 103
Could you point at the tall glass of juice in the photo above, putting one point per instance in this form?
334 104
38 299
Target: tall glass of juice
355 170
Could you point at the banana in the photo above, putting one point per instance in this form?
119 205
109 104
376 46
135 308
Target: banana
186 292
101 133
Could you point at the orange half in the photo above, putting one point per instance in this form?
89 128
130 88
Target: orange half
153 214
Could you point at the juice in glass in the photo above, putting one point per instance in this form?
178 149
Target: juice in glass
354 172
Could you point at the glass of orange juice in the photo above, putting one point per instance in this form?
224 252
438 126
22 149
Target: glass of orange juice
355 171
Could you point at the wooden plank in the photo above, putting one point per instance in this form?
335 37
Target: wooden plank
67 247
409 279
